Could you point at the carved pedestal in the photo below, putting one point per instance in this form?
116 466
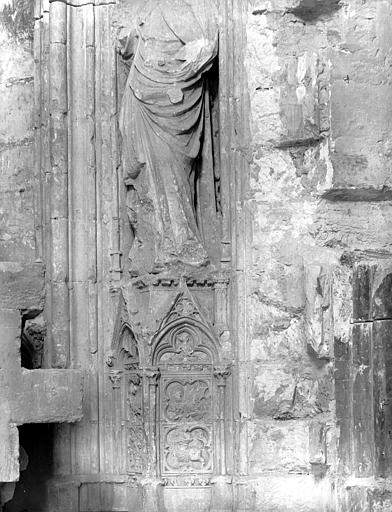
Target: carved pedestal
171 381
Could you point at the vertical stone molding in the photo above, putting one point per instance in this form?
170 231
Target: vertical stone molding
221 375
151 377
76 143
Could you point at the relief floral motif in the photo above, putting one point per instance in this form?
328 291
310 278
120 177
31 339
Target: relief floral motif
136 448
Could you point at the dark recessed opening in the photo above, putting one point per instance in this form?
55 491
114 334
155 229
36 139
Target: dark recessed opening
30 491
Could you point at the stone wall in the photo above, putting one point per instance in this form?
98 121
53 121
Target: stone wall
319 200
313 397
17 132
21 277
21 269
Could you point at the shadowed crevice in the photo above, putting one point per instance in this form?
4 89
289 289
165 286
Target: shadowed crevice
359 194
312 10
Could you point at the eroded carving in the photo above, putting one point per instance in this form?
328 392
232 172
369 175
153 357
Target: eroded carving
137 441
221 373
319 310
187 481
134 399
115 378
32 342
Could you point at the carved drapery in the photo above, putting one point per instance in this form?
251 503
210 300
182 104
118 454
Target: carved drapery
166 127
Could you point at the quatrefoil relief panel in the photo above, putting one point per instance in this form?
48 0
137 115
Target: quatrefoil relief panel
186 449
186 424
186 403
187 399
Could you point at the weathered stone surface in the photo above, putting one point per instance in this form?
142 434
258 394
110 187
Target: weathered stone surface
18 19
343 403
17 180
21 286
362 289
285 396
56 395
382 361
319 310
319 202
381 300
280 446
362 400
313 10
282 493
346 226
368 496
361 153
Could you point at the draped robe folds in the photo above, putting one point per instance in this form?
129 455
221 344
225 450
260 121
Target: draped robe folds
166 132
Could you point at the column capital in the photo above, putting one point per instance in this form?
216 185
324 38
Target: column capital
152 373
221 373
115 378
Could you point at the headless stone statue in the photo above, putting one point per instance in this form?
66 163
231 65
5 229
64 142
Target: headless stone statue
166 131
